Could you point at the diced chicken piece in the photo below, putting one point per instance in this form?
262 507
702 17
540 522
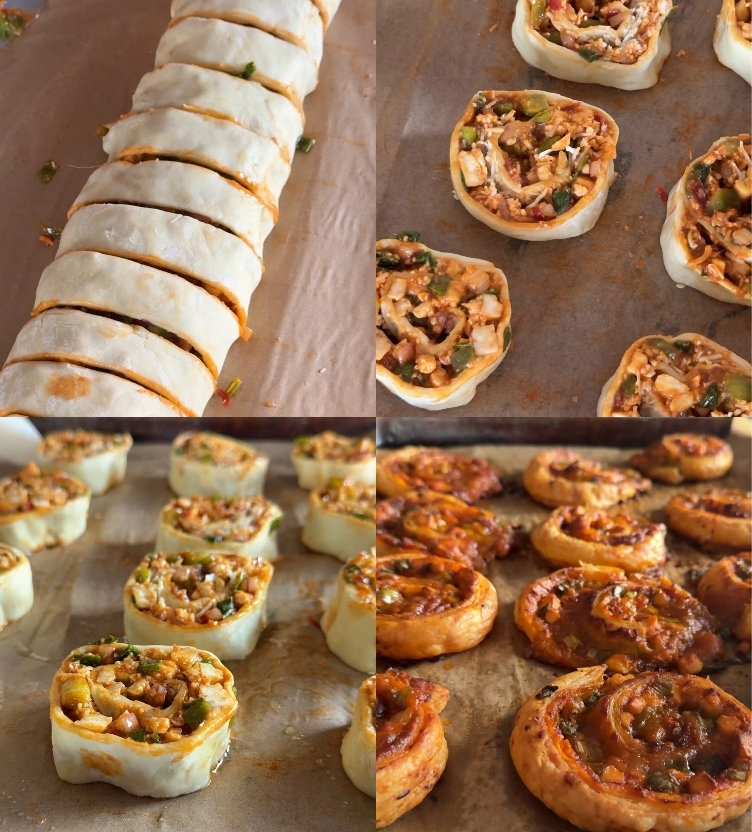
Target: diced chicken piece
473 167
398 288
677 393
484 341
491 308
425 364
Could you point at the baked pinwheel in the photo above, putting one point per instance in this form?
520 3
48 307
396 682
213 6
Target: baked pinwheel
622 45
561 477
442 323
427 606
411 751
655 751
721 518
413 468
685 457
349 622
16 588
533 165
212 601
359 743
707 236
98 460
681 375
726 590
732 40
341 519
152 720
573 535
319 458
242 525
207 464
588 615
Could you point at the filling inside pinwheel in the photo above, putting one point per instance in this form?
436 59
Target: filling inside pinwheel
32 490
529 159
8 558
601 527
742 566
728 502
668 451
435 316
360 573
331 446
588 470
352 499
421 586
214 519
213 450
74 445
397 716
743 14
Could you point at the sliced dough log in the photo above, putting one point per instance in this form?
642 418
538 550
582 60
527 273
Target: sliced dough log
101 282
280 66
216 259
131 351
54 388
327 10
215 143
218 94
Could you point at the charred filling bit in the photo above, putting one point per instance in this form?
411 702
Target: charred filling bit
694 445
528 159
422 586
360 573
8 558
466 478
73 445
711 259
435 317
30 490
198 588
601 527
151 695
586 470
213 450
728 502
354 499
601 29
397 711
333 447
215 519
742 13
742 566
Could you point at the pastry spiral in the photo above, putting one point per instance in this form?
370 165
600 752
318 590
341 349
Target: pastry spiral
97 459
719 519
16 588
726 590
685 457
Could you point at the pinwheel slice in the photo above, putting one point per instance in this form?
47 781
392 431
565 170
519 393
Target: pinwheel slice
732 40
207 464
349 622
341 519
587 615
16 588
411 751
654 751
319 458
41 509
608 42
96 459
720 519
242 525
726 590
212 601
413 468
442 323
533 165
153 720
359 743
707 236
685 457
427 606
681 375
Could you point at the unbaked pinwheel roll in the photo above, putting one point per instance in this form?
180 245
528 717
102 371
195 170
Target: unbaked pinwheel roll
242 525
212 601
561 477
98 460
341 519
327 10
655 751
622 45
16 588
319 458
358 747
681 375
685 457
411 751
533 165
349 622
428 606
442 323
209 465
732 40
588 615
707 236
720 519
154 721
726 590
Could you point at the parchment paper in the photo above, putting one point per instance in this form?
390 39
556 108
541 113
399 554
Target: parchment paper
576 304
283 773
77 66
480 790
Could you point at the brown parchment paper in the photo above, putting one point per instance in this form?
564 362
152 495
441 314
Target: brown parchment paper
480 789
284 771
77 66
576 304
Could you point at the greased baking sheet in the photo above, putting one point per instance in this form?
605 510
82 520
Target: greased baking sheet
77 66
283 773
576 304
480 789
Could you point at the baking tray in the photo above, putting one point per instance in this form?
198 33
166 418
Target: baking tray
490 682
576 304
283 773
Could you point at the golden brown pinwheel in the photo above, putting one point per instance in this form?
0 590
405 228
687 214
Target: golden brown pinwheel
719 519
726 590
588 615
684 457
655 751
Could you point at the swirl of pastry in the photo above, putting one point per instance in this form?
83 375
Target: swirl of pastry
411 751
655 751
341 518
16 588
319 458
574 535
427 606
685 457
97 459
588 615
561 477
719 519
732 39
726 590
358 747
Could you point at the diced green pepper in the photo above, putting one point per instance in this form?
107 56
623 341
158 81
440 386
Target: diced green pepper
101 130
739 773
547 144
737 386
226 607
155 737
138 736
501 108
276 523
589 701
724 199
554 36
387 260
462 356
47 171
248 70
304 144
195 712
469 135
143 574
589 55
590 21
665 347
561 200
196 558
684 346
440 285
629 385
150 666
507 338
405 370
128 650
710 397
532 103
569 729
407 236
479 102
578 168
537 12
425 257
700 171
660 781
87 659
543 117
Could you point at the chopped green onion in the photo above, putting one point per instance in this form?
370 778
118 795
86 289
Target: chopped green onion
589 55
87 659
709 397
547 144
226 607
589 701
138 736
684 346
128 650
545 692
507 338
425 257
276 523
149 666
561 200
155 737
440 284
479 102
384 260
408 236
248 70
195 712
405 370
543 117
589 22
554 36
304 144
48 170
700 171
233 387
462 356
